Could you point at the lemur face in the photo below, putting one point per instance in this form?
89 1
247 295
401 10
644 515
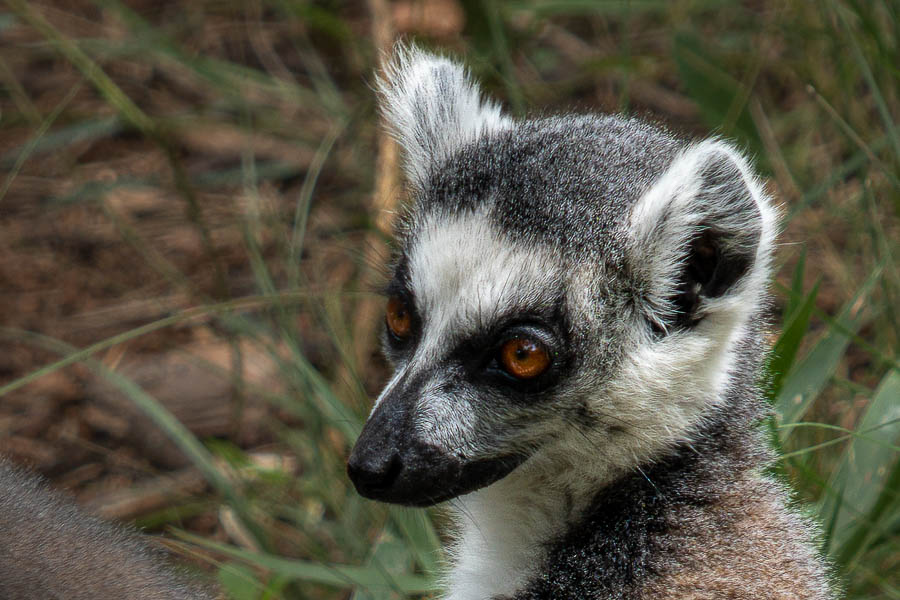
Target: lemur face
567 290
477 330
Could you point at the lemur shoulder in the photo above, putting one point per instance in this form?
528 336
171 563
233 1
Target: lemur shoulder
53 550
575 318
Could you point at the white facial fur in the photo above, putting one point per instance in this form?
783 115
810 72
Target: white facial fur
465 276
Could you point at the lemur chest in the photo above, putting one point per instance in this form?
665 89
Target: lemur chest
536 554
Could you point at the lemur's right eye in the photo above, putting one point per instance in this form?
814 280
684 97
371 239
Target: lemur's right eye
524 358
398 318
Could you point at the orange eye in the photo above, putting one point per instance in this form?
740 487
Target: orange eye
398 317
524 358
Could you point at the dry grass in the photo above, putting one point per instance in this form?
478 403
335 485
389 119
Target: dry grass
223 158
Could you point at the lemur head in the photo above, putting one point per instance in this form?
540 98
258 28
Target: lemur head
569 291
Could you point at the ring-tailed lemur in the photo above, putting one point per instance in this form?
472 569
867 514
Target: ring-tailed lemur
50 549
576 318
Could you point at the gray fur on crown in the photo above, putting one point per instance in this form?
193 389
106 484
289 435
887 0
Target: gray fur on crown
565 181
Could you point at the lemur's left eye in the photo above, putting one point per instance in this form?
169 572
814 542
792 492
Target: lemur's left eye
524 358
398 317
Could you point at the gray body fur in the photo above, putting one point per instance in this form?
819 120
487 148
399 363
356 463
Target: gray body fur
50 549
635 470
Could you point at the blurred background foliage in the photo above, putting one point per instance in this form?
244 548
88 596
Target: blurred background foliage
196 202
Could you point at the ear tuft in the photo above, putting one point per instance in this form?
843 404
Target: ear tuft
433 108
704 231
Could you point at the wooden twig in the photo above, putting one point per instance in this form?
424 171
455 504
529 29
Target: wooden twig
383 205
148 496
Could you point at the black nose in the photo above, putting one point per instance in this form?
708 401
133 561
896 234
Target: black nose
373 472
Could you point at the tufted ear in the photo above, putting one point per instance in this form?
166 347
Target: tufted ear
433 108
700 236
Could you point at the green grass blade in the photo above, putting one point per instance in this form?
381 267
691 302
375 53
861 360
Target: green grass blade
849 168
239 582
811 374
391 556
220 309
179 434
35 139
91 70
717 93
830 520
590 7
156 412
341 576
794 299
417 529
864 470
866 70
785 350
86 130
304 202
500 43
229 78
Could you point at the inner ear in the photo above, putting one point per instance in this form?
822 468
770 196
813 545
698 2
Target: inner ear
710 270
